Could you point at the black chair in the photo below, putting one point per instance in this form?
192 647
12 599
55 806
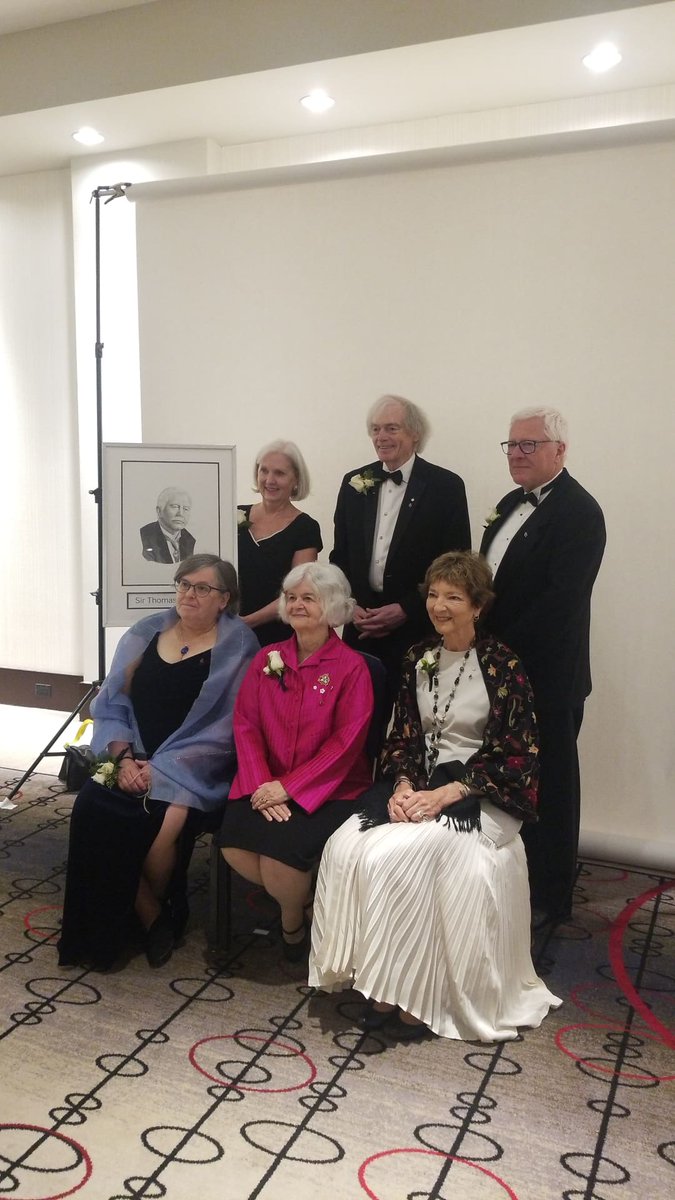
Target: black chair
219 922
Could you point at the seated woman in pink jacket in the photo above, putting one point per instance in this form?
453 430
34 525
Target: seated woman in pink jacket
300 725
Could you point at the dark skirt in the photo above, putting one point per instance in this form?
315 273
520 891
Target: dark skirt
298 843
110 835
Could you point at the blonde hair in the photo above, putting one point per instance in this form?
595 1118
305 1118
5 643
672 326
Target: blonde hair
292 453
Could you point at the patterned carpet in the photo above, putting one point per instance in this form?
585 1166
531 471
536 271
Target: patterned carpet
199 1082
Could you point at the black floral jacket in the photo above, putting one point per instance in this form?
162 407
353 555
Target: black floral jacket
505 769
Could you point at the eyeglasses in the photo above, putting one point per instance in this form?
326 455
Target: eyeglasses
526 447
183 586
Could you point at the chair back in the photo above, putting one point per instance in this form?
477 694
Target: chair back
378 722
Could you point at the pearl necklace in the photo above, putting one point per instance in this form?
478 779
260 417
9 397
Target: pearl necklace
433 748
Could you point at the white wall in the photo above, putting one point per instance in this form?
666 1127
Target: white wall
474 290
40 611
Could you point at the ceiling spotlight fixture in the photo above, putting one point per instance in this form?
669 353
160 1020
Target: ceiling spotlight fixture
87 136
318 101
602 58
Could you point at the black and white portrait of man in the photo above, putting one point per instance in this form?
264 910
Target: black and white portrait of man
167 540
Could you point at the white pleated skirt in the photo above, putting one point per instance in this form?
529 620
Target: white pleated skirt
434 921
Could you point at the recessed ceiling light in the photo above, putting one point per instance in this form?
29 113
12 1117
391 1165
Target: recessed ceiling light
87 136
602 58
318 101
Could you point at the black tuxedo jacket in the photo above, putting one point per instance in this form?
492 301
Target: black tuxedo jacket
155 548
543 590
433 518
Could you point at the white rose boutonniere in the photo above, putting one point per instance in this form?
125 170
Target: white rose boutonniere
492 516
364 482
428 665
275 667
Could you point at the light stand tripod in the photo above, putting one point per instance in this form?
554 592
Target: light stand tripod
109 193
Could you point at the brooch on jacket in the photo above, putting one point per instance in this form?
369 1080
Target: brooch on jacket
321 686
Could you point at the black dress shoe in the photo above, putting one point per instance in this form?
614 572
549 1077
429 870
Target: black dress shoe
546 918
159 940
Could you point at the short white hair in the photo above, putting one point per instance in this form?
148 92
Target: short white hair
168 492
331 586
555 425
292 453
415 420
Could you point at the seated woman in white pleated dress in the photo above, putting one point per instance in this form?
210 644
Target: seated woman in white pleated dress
422 902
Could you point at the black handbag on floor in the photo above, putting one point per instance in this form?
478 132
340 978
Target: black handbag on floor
76 767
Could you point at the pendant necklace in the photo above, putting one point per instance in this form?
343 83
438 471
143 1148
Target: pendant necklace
186 648
433 749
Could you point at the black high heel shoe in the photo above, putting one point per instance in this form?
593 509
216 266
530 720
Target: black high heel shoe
374 1018
294 952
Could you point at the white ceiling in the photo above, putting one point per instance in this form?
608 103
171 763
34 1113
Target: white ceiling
493 70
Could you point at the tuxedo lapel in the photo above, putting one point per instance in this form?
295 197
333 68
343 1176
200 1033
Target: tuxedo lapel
504 509
512 499
413 493
369 500
526 538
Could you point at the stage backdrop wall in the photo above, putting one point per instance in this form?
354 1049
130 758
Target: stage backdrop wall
474 289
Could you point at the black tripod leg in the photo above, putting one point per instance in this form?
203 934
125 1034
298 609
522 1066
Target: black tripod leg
43 753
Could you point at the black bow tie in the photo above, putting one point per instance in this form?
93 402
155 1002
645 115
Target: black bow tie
393 476
530 498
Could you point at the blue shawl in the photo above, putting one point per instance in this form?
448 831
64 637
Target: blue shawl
196 764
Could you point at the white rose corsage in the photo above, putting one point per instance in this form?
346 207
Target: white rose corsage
243 522
105 770
428 665
275 666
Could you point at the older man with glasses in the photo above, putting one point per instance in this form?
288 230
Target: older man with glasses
545 541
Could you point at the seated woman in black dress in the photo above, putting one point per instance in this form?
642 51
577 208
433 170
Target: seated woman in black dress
165 712
274 536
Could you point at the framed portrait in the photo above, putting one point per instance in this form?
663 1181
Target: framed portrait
160 505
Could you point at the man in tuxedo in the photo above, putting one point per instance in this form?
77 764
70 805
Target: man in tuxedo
393 518
166 540
545 542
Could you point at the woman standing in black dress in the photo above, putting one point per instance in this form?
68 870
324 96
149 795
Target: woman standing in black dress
274 536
